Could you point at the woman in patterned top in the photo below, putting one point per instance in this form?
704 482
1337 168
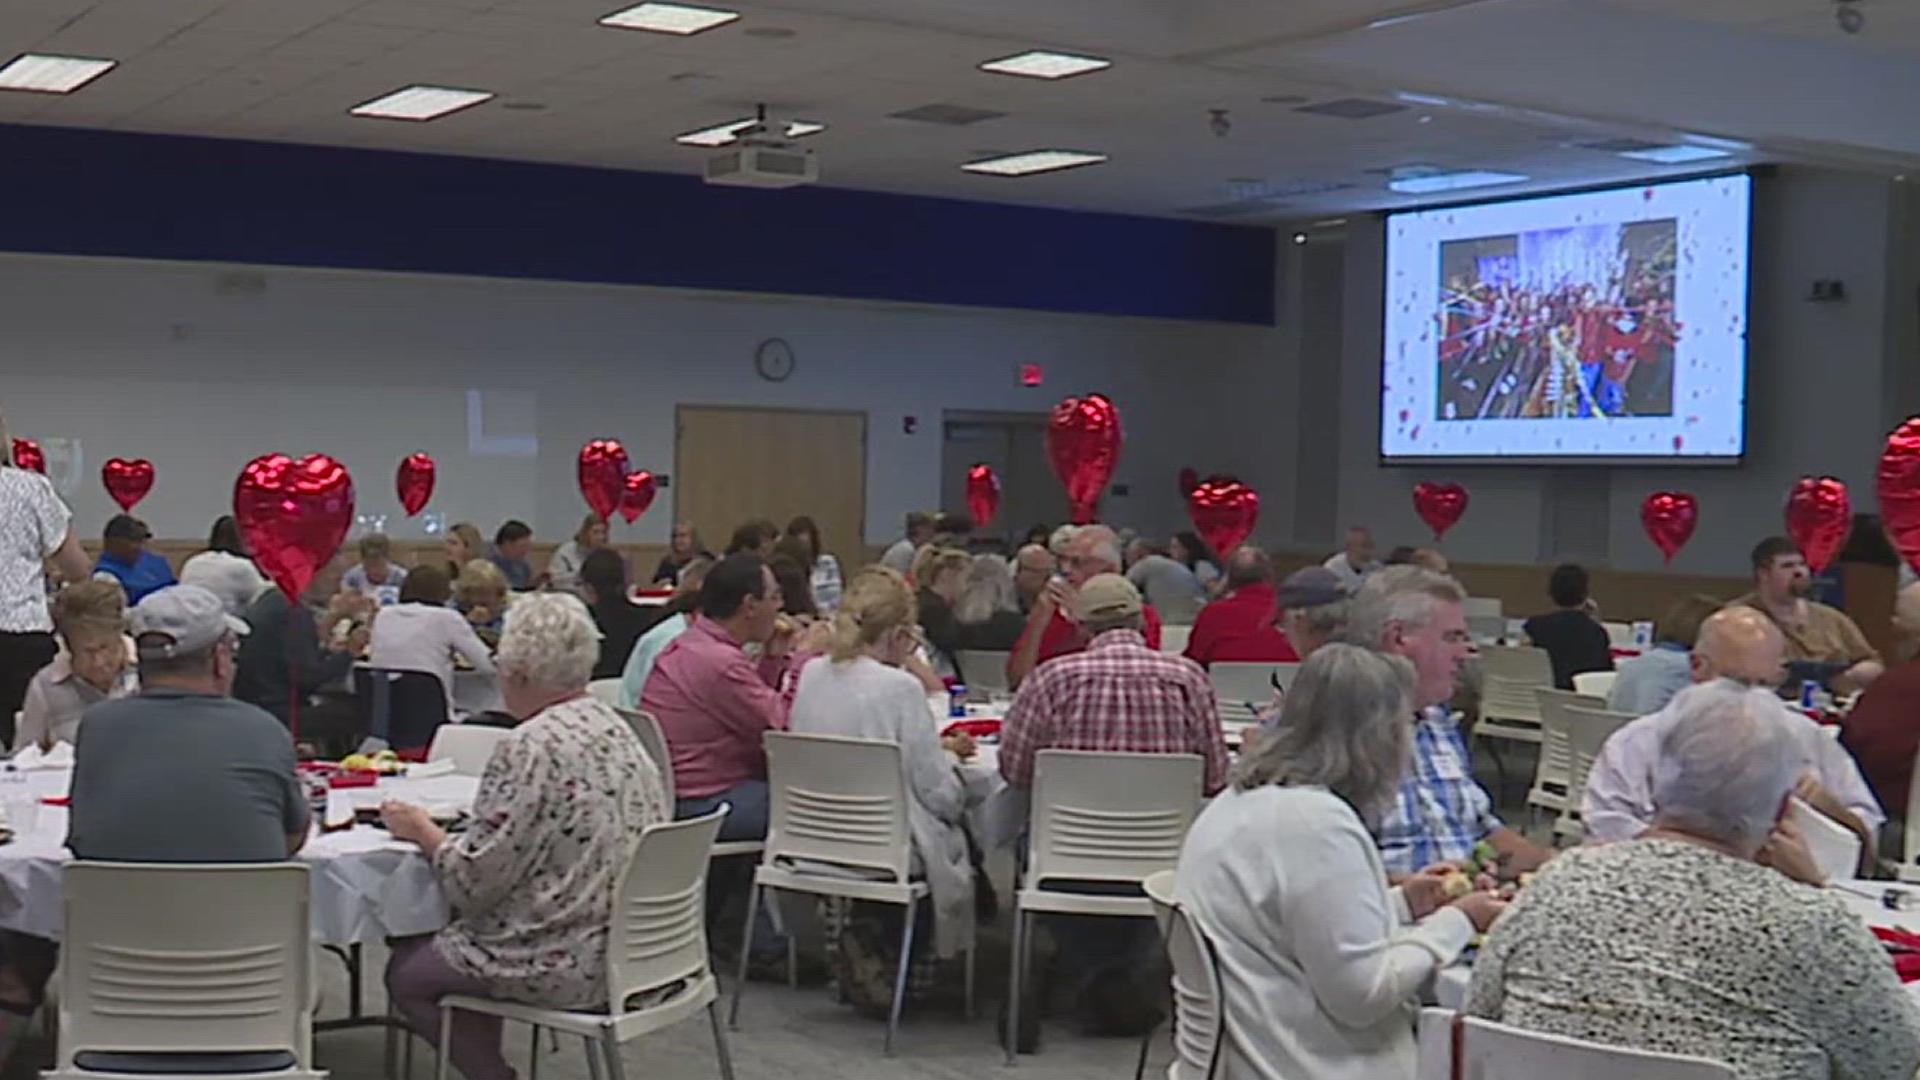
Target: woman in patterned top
1692 939
559 813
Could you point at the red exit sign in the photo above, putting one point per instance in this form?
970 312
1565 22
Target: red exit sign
1031 375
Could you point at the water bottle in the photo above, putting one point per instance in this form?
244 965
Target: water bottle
1809 693
957 701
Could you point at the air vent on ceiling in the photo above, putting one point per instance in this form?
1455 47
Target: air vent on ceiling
1244 208
950 115
1352 108
1286 99
1617 146
1242 190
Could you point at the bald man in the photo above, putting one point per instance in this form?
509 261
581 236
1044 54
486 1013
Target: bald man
1881 731
1741 645
1051 630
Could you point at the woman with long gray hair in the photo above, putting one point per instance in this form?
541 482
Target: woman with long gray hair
1321 962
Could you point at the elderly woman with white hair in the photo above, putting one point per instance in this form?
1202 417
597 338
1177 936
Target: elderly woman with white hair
557 818
1320 962
1690 938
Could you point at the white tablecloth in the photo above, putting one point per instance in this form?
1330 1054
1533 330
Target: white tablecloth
366 885
1861 897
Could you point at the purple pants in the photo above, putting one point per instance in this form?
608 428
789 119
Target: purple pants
417 978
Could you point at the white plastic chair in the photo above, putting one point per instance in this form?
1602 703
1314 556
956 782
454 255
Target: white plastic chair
1910 853
1483 607
606 690
1491 1051
208 965
1199 1000
1595 683
655 740
1509 676
1552 773
983 671
468 746
656 944
1173 639
1098 816
1619 634
1588 730
1248 685
1434 1044
843 803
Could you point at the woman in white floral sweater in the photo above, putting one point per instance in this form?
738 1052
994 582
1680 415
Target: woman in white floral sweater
558 815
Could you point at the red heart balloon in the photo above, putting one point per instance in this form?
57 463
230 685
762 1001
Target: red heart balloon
413 482
293 515
127 481
1083 444
1189 480
637 495
1439 505
983 494
1224 511
1669 518
603 475
28 455
1898 485
1819 517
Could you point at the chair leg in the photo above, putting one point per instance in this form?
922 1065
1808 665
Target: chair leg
720 1041
1146 1044
793 959
973 951
1016 975
593 1057
900 977
615 1069
391 1057
533 1053
440 1054
746 950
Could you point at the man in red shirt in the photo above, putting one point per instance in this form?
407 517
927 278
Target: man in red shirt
1052 628
1240 625
1883 730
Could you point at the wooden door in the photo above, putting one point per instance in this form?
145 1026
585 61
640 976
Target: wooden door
733 465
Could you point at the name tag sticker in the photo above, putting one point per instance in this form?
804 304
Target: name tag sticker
1447 767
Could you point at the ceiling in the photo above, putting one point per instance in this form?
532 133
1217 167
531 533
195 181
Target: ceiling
1497 84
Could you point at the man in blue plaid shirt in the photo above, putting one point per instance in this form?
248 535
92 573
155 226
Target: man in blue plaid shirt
1441 811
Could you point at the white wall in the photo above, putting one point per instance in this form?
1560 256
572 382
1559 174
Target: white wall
172 362
1815 394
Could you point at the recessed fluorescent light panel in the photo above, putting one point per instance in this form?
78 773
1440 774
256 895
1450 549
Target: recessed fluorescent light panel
1033 162
51 74
1677 154
682 19
421 103
800 129
1451 181
1041 64
719 135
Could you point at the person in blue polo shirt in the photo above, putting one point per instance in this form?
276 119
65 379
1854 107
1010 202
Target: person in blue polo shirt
124 555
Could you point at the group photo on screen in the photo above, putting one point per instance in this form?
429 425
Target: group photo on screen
1558 323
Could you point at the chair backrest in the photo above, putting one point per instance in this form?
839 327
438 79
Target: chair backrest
1484 607
655 741
659 931
1588 730
1619 634
1595 683
1242 683
1492 1051
983 671
606 691
177 958
1912 839
1199 1000
1173 638
1509 676
1434 1037
468 746
1106 816
837 800
1555 765
400 706
1834 847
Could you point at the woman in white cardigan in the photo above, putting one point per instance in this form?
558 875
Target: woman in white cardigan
863 689
1320 961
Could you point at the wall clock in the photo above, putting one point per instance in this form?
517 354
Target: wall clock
773 360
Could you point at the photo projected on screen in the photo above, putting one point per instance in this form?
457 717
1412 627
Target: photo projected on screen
1598 327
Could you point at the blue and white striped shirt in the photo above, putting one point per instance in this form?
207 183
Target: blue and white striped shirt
1440 811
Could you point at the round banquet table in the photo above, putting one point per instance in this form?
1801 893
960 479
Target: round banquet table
1861 897
366 885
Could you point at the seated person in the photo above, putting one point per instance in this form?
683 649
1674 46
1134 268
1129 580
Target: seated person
421 633
940 573
1313 609
376 577
1167 583
988 610
872 686
94 664
532 881
563 568
226 568
1355 561
1883 730
124 556
681 611
292 655
1320 963
1682 939
480 593
1575 641
1240 626
1822 642
1739 645
1646 683
1052 629
682 548
1441 812
1033 568
602 583
512 548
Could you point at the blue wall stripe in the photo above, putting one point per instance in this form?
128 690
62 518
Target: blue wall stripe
91 192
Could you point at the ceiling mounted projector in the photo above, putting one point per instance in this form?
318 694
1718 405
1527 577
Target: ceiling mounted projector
760 153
